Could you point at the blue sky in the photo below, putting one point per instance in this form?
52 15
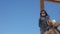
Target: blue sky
21 16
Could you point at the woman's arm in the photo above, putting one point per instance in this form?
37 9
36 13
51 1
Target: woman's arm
50 23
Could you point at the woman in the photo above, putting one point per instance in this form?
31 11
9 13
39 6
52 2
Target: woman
43 22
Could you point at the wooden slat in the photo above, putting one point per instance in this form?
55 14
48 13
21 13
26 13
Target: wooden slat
57 1
41 4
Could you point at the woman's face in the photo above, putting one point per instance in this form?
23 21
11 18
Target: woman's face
43 13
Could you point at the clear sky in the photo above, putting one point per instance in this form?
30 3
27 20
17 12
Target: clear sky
21 16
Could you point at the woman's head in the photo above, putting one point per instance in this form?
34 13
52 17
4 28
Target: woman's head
43 13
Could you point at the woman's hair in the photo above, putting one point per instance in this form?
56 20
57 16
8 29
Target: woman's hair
44 11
